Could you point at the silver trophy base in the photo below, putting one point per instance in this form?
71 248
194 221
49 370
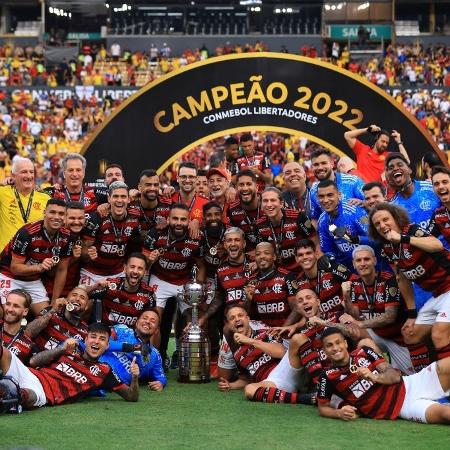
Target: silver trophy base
194 356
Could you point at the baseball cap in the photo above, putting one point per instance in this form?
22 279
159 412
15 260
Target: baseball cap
219 171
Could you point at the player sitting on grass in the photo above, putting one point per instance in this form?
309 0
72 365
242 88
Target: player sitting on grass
65 374
371 387
268 372
125 342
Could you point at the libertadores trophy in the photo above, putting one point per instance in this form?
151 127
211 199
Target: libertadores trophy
194 354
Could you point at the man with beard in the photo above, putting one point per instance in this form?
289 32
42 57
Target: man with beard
12 332
244 212
187 178
296 194
127 343
218 183
373 303
371 387
417 257
75 222
120 300
20 203
66 374
212 249
153 208
113 173
254 161
231 149
440 221
341 226
325 276
349 186
36 248
374 193
106 239
283 228
268 373
61 321
74 169
370 159
172 254
268 295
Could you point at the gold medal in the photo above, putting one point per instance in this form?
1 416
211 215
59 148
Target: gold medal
112 286
213 251
120 252
79 242
161 251
70 307
353 368
55 259
253 282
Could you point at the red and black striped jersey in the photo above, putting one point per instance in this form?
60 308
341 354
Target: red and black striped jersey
245 220
431 271
177 257
122 307
19 344
86 196
213 251
231 280
72 278
31 245
269 303
58 330
254 362
374 400
311 354
258 160
111 238
149 217
327 285
72 377
294 225
439 224
373 300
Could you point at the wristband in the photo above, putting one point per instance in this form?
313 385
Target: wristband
411 313
400 143
405 239
369 129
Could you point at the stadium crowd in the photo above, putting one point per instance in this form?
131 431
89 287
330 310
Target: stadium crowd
313 284
403 64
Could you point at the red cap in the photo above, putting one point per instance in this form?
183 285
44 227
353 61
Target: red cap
219 171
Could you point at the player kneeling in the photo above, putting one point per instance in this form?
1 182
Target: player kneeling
66 373
267 372
371 387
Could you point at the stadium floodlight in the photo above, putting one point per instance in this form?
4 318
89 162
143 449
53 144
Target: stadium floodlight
363 6
107 5
50 10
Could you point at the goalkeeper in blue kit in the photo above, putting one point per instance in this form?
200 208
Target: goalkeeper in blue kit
126 343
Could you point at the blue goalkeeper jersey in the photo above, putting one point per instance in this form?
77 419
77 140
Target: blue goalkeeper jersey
348 185
355 221
151 370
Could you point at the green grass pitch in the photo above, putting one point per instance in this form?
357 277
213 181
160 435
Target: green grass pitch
200 417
